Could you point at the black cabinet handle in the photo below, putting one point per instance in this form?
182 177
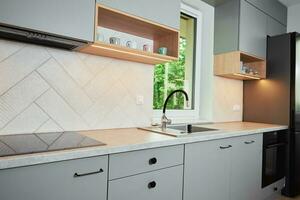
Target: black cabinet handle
225 147
87 174
152 161
152 184
249 142
276 145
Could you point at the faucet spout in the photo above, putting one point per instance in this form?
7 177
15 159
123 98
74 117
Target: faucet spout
164 119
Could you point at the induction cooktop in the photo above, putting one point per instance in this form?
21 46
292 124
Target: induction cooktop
43 142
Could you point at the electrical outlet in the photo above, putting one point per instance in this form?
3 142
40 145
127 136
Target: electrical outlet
139 100
236 107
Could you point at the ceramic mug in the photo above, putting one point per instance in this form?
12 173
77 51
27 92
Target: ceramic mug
131 44
100 37
115 40
163 50
147 47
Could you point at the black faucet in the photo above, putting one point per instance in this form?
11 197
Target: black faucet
164 119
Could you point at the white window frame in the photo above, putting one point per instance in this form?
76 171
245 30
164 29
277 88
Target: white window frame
179 116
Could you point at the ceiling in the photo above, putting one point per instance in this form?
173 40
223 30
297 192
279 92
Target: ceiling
289 2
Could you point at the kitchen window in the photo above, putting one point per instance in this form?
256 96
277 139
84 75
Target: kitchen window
181 74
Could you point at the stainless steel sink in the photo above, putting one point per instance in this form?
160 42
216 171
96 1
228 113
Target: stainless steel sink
181 130
192 129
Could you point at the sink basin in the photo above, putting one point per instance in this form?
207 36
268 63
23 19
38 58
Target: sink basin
181 130
193 129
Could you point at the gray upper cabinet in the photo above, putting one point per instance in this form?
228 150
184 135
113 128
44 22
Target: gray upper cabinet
272 8
166 12
67 180
69 18
253 33
274 27
243 25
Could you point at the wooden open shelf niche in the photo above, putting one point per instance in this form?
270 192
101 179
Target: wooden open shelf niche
228 65
162 36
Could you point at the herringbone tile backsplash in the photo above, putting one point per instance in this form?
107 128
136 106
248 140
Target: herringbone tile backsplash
45 89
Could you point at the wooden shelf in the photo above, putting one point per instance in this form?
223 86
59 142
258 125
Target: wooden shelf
228 65
162 36
124 53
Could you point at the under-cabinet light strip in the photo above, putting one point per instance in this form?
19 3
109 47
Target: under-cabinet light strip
246 76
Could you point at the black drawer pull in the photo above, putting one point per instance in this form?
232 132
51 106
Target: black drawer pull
249 142
87 174
227 147
152 184
152 161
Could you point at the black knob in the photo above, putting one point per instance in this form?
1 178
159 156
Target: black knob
189 128
152 184
152 161
275 189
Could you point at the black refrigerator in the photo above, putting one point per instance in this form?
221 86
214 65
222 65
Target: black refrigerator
276 100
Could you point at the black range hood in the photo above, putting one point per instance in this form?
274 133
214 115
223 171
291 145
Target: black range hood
40 38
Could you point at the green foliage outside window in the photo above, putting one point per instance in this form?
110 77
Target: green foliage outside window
168 77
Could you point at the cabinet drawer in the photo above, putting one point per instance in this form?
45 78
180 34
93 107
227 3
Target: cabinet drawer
130 163
250 141
66 180
159 185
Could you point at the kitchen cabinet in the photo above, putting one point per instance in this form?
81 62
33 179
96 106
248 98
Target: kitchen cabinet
253 33
223 169
68 180
272 8
158 36
246 168
147 174
159 185
137 162
69 18
165 12
207 170
274 27
243 25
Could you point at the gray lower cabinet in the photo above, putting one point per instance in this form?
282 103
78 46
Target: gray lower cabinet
166 12
136 162
246 169
162 184
228 169
67 180
69 18
207 170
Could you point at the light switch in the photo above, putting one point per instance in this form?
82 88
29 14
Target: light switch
139 100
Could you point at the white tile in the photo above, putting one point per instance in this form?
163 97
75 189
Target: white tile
105 104
65 86
49 126
19 65
61 112
73 65
8 48
104 81
20 97
96 63
26 122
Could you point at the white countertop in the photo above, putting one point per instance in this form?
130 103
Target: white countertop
131 139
